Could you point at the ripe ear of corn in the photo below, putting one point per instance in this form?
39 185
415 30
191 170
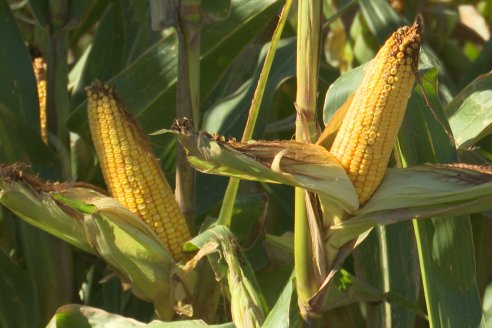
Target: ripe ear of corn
131 171
39 68
367 135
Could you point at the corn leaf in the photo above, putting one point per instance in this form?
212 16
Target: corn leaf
481 65
285 313
18 91
156 68
341 90
120 36
420 192
18 306
80 316
349 289
381 19
228 117
469 113
429 185
445 244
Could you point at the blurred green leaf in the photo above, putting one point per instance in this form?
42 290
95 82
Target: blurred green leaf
381 19
364 44
76 11
18 92
41 11
248 215
215 10
18 306
164 13
481 65
21 142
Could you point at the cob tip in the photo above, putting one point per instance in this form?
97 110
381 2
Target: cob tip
407 41
97 89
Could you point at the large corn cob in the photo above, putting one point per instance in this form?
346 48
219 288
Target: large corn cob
130 170
39 68
367 135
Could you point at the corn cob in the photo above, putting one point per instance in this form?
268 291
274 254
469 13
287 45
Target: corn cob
131 171
39 68
368 132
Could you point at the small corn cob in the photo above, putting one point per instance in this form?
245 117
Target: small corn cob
130 170
368 132
39 68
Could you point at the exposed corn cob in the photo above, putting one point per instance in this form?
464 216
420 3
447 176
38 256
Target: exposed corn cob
130 170
367 135
39 68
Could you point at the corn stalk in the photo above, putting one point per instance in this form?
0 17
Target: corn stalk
308 41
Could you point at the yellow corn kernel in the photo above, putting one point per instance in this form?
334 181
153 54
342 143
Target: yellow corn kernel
371 125
131 171
39 68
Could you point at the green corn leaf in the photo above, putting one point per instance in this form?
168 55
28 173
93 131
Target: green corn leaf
419 192
444 243
469 113
340 90
79 316
429 185
18 306
156 68
18 91
381 19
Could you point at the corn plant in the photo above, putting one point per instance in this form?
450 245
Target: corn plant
232 163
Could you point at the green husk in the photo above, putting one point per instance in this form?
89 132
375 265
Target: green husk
248 306
100 225
298 164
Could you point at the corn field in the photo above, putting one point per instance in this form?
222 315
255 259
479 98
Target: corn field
234 163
